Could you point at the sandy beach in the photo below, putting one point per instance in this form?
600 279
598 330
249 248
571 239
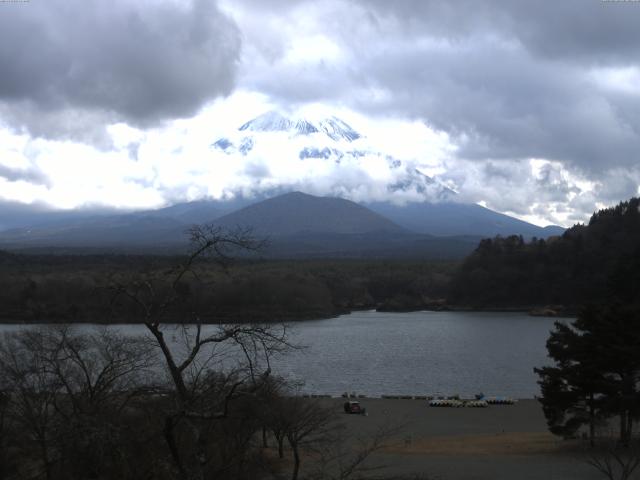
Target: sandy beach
498 442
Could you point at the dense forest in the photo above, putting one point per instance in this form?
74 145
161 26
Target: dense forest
590 263
57 288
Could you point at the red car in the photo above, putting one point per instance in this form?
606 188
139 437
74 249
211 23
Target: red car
354 407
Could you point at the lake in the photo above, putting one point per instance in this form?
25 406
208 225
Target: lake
416 353
421 353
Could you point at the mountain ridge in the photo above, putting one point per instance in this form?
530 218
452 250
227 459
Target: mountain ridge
297 212
300 224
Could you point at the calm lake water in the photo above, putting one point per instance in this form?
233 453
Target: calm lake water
422 353
417 353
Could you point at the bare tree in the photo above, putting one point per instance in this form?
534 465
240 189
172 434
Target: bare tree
100 374
97 371
66 392
309 425
4 434
32 390
202 388
614 460
274 413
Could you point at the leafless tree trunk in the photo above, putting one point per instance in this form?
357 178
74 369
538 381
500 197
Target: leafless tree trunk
309 425
190 366
280 440
296 459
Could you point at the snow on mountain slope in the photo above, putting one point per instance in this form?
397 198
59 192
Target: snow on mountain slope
272 121
322 135
324 155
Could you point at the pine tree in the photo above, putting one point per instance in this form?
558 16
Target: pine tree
597 371
570 390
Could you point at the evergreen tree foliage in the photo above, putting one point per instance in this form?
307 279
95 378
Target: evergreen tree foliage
592 263
597 371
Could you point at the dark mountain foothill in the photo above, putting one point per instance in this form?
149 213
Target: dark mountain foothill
298 225
296 212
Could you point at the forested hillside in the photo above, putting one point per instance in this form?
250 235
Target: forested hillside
588 263
77 288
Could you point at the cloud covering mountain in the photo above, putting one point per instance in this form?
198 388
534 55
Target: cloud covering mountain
327 156
527 108
510 83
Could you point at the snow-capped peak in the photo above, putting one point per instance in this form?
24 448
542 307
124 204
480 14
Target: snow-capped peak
304 149
272 121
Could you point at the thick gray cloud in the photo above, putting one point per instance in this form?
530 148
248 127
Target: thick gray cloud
576 30
30 175
69 66
507 80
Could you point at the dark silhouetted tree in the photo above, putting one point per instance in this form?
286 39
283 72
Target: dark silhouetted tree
597 371
200 388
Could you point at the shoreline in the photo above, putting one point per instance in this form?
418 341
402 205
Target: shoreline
415 398
560 311
535 311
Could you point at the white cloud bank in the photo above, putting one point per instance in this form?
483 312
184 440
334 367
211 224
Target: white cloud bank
517 107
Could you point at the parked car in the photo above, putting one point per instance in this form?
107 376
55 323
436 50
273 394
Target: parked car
354 407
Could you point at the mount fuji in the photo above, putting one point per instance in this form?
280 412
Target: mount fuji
333 127
357 201
404 194
328 148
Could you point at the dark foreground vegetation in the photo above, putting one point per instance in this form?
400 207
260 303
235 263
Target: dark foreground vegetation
105 406
181 402
597 373
593 390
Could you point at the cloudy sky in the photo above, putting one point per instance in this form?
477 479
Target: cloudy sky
529 108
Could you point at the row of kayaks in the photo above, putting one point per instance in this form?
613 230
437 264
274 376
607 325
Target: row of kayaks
477 403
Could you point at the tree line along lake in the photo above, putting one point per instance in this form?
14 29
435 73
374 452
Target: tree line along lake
415 353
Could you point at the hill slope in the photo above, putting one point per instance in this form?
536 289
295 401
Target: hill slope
121 231
297 225
449 218
592 263
295 213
